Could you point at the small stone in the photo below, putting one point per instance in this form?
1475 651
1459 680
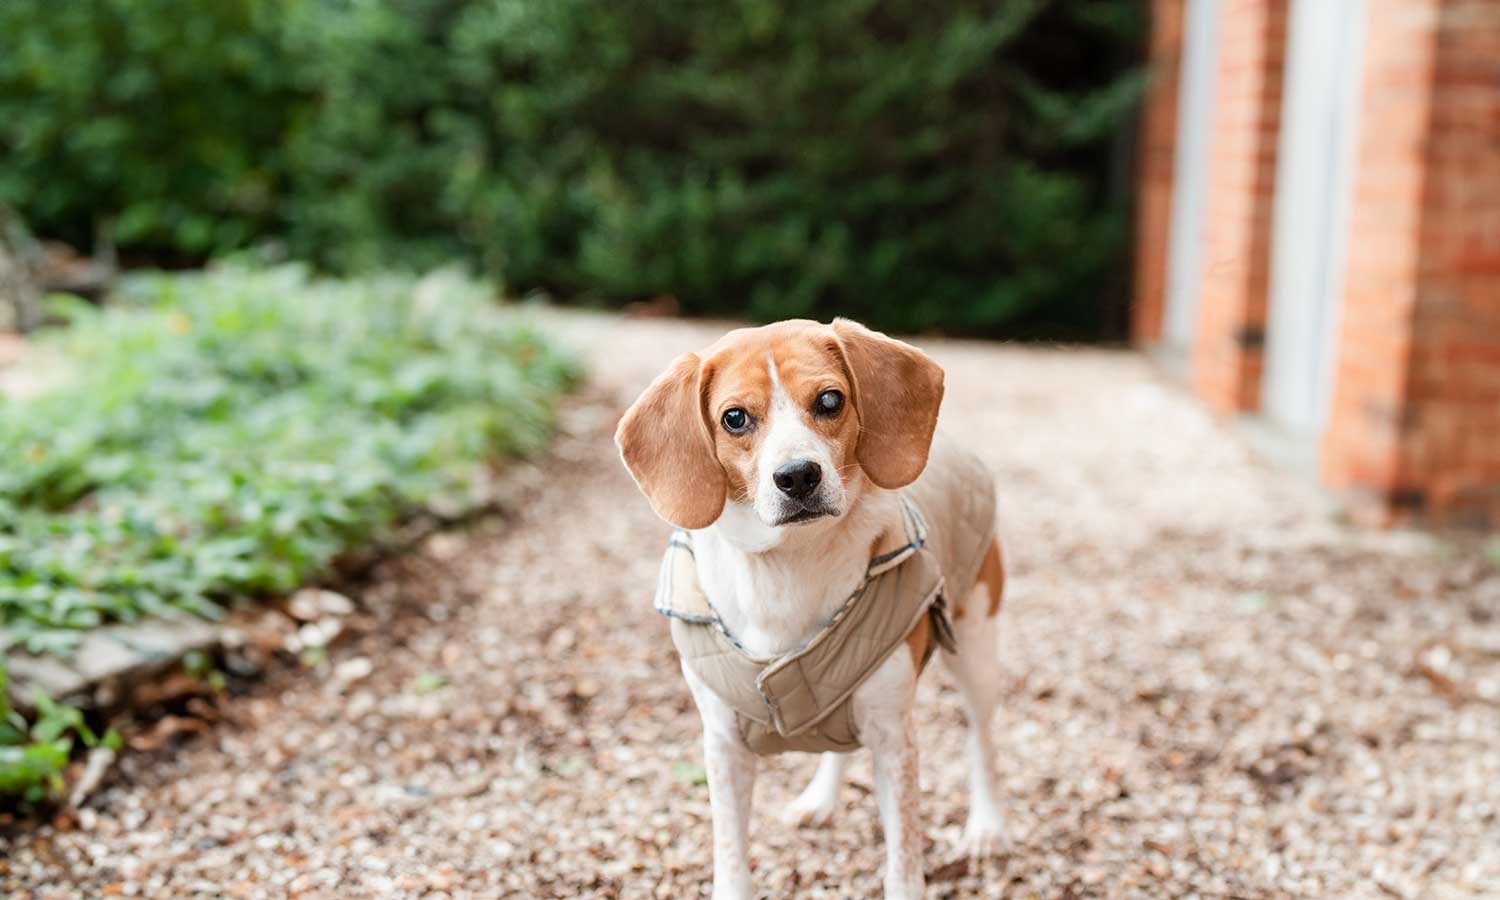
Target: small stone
310 636
311 604
353 669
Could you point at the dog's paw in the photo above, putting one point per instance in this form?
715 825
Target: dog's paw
809 812
985 837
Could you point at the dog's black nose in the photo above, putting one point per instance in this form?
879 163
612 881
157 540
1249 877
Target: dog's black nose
798 478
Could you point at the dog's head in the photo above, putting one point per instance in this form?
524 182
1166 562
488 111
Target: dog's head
785 418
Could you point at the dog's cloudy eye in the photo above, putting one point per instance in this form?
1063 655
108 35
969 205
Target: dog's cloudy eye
829 403
735 420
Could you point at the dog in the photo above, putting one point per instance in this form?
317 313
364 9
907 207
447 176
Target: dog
828 542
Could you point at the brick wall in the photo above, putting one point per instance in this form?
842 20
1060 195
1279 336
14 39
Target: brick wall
1227 350
1453 451
1361 446
1415 421
1155 150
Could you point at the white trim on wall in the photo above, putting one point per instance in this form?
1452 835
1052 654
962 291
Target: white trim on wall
1314 177
1190 171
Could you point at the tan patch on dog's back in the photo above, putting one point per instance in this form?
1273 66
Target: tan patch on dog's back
992 576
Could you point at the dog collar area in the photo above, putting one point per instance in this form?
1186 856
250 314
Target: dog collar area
799 700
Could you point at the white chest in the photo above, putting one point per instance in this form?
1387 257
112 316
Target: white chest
774 591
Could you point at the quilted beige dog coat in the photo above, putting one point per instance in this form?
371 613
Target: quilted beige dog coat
801 700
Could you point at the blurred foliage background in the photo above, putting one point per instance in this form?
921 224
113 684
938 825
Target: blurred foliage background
956 166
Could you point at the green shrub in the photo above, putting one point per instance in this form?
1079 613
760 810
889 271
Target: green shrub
160 118
913 164
230 434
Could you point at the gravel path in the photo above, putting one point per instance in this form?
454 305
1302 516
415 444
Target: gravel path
1214 690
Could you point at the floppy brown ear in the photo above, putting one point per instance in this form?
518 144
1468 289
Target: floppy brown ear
897 392
666 446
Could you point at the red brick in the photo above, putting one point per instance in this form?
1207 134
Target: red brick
1155 150
1227 351
1421 312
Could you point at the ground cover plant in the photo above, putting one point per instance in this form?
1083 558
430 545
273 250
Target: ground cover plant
230 434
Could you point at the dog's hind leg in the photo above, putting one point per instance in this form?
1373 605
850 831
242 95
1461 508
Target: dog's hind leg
976 668
818 801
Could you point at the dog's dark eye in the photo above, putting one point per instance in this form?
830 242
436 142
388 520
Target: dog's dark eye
829 403
735 420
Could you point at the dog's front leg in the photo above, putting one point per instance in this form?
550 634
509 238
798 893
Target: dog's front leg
730 767
731 782
883 713
897 793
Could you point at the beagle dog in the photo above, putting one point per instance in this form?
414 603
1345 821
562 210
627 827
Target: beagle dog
799 464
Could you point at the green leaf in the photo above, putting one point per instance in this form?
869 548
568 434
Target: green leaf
689 772
428 682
